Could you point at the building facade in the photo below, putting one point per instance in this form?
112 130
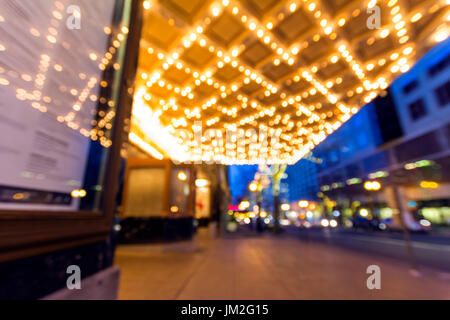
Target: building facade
401 140
302 181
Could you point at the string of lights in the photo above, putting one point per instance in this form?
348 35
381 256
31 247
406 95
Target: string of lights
300 119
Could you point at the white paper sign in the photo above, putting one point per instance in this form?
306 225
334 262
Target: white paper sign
49 85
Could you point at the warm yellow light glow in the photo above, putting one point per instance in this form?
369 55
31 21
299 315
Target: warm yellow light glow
363 212
78 193
312 6
253 186
145 146
285 206
441 34
18 196
303 203
416 17
201 183
82 193
292 7
4 82
372 185
75 193
182 176
429 185
244 205
215 11
324 223
157 119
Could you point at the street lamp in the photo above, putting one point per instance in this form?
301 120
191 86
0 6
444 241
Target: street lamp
364 212
324 223
75 194
285 206
372 185
201 183
253 186
303 203
182 176
244 205
429 185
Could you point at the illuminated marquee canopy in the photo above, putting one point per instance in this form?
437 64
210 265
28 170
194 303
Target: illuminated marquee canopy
294 70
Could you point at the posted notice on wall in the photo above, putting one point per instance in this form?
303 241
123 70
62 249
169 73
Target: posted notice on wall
49 86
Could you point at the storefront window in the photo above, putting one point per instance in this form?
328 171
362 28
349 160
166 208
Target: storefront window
180 191
145 192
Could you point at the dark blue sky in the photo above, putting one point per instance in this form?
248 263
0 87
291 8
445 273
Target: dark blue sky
240 177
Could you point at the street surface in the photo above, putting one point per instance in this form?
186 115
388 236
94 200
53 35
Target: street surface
432 250
267 267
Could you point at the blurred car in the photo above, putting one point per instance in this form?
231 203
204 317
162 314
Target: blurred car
365 224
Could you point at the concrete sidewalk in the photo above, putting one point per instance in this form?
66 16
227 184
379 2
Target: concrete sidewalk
266 267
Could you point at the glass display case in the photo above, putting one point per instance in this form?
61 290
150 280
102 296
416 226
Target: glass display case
66 76
157 202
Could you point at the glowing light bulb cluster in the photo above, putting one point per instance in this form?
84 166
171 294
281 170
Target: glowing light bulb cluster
302 119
